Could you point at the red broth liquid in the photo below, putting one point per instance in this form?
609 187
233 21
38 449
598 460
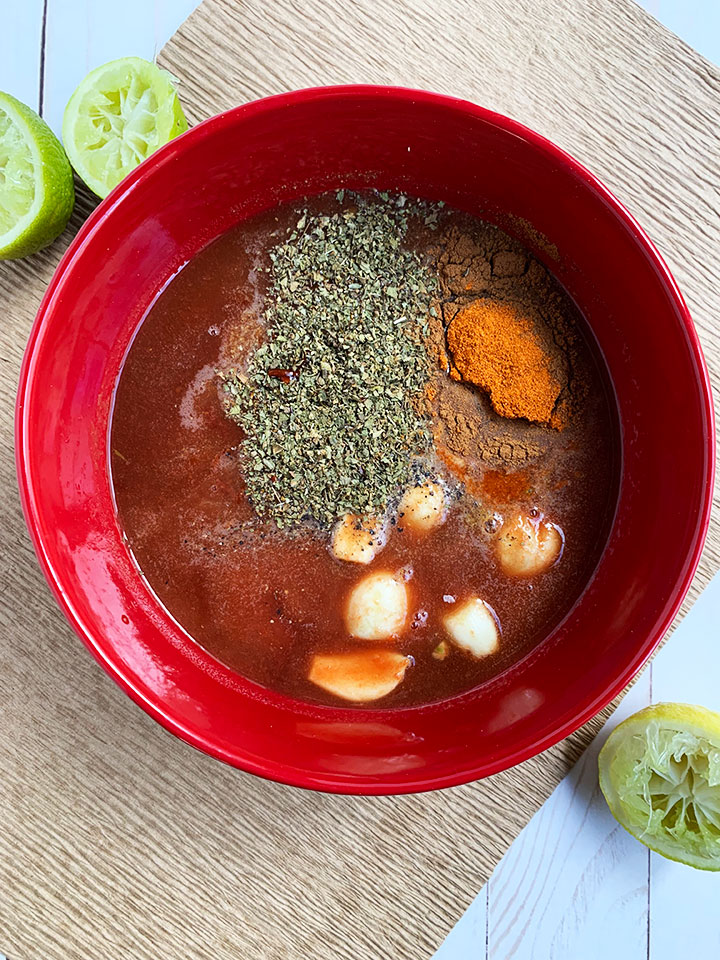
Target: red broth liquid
263 602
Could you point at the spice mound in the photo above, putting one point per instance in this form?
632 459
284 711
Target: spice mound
497 347
470 435
326 403
479 263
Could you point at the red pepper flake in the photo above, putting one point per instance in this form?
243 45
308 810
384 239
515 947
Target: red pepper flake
287 376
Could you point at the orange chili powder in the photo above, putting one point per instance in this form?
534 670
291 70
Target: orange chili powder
498 348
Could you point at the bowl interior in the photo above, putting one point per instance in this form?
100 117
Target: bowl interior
297 144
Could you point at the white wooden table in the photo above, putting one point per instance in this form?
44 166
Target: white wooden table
573 886
54 43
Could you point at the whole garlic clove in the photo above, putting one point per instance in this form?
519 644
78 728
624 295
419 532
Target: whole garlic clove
377 607
422 507
473 626
359 676
358 539
528 545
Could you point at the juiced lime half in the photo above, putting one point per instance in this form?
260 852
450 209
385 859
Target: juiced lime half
36 182
660 773
118 116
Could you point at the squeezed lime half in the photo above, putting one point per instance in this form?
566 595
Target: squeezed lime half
36 182
119 114
660 774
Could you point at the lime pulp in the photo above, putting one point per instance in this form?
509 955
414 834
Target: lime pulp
660 774
120 113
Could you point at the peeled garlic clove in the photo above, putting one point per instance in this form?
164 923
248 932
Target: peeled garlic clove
474 627
359 676
377 607
422 507
358 539
528 545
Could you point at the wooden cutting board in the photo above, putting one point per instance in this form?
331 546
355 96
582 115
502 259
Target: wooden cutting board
118 841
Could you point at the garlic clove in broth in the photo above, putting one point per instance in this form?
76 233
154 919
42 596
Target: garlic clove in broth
473 626
358 539
422 507
377 607
528 545
359 676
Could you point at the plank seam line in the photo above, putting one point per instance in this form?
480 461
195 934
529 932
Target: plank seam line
43 36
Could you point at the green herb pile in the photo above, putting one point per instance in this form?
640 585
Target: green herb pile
326 403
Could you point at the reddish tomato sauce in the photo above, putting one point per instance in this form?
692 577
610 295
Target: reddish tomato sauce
263 602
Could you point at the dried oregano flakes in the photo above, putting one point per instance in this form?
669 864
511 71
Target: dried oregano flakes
326 403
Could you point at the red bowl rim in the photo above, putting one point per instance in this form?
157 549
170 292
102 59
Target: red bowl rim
272 770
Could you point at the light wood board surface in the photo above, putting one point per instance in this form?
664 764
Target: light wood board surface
116 840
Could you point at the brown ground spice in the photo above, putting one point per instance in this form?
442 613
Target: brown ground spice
478 261
468 428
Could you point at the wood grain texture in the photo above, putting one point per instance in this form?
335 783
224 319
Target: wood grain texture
116 839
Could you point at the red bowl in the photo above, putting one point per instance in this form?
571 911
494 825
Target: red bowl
244 161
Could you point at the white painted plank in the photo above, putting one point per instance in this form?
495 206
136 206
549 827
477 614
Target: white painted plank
20 40
696 21
468 938
169 14
83 34
573 884
684 911
684 902
687 668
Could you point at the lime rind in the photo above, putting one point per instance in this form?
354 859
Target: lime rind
120 114
36 183
660 774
